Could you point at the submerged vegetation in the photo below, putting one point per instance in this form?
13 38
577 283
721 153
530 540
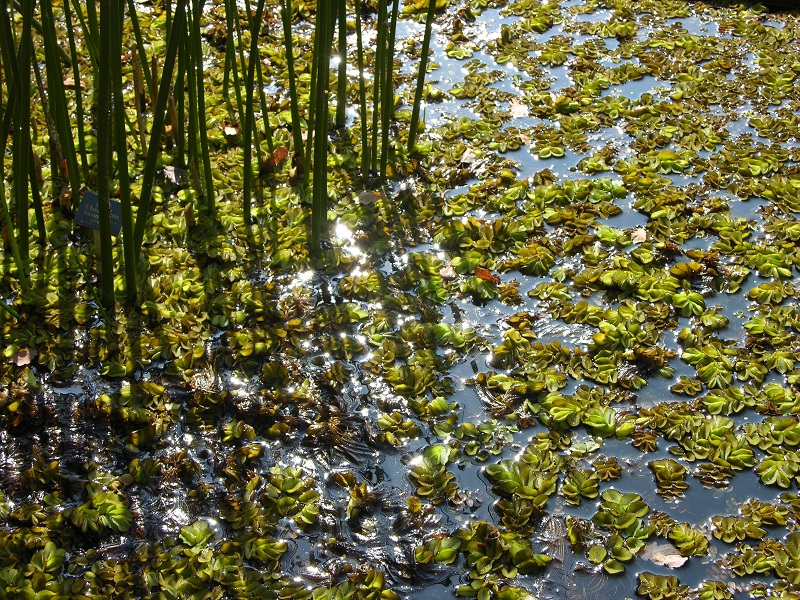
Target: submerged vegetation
524 327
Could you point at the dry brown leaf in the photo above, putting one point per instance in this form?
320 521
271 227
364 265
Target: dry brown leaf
638 235
486 275
279 155
468 157
24 357
448 273
366 197
518 109
525 139
665 555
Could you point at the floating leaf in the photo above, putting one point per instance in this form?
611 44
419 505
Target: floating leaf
486 275
24 357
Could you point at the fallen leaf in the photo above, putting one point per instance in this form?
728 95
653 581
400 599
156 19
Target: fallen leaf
468 157
525 139
447 272
69 82
486 275
279 155
367 197
673 561
638 235
665 555
518 109
24 357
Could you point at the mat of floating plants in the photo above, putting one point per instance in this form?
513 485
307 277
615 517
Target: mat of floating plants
552 352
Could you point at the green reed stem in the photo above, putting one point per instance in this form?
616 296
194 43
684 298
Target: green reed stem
341 81
322 52
4 306
205 153
262 98
93 29
250 115
57 98
231 64
387 103
157 130
76 77
36 197
90 34
378 81
22 141
22 276
316 49
103 127
423 68
185 65
294 105
56 156
250 82
137 34
240 51
362 95
63 56
177 114
9 58
121 146
9 111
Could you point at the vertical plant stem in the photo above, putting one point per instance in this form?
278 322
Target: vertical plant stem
250 79
294 105
103 126
10 68
362 95
240 51
177 114
262 98
22 140
138 100
250 118
378 80
316 48
140 49
76 78
90 35
63 56
36 196
341 81
22 276
205 154
322 51
121 147
91 21
154 79
423 67
157 129
387 103
185 59
232 67
57 98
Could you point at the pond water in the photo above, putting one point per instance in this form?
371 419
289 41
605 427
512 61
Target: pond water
586 287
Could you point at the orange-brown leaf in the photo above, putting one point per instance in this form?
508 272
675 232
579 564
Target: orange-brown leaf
486 275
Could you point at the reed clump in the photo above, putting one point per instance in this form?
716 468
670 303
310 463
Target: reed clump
126 97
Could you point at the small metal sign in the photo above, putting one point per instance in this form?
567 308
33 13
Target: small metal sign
88 213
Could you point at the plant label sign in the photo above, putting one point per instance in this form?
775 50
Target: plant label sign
88 213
